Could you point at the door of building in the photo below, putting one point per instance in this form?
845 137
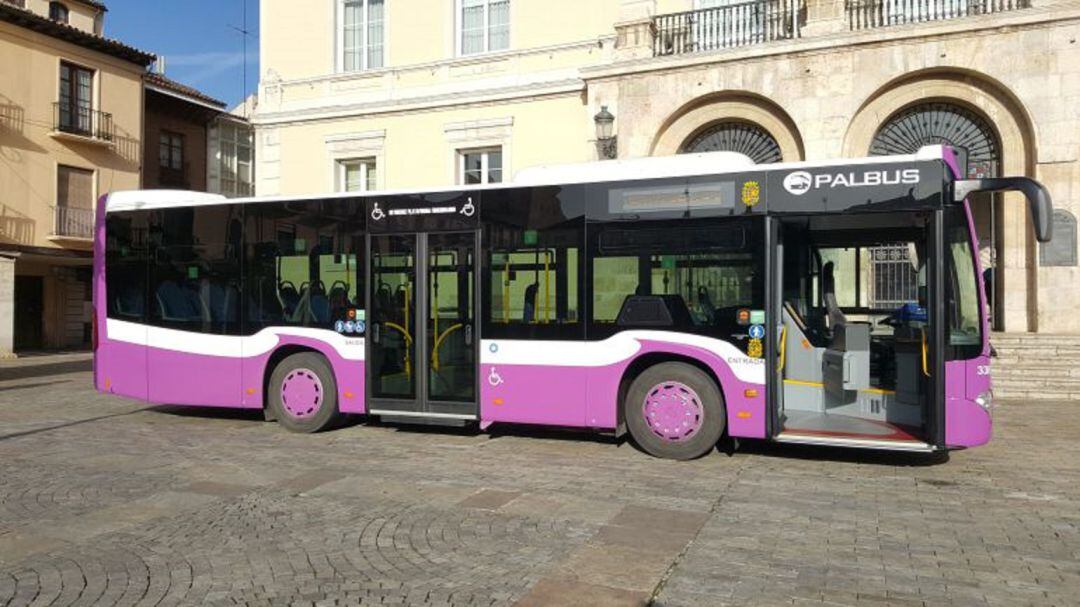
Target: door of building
29 312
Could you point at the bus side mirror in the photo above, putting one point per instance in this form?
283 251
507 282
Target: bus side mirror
1042 208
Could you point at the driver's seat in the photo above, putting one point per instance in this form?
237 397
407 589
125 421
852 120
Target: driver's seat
828 289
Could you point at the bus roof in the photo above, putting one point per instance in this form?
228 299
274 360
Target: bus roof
683 165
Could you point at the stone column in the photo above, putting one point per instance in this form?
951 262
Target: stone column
7 307
823 17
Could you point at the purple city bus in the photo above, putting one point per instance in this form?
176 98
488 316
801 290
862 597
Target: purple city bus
674 299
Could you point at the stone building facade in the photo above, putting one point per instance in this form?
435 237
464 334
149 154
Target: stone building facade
433 92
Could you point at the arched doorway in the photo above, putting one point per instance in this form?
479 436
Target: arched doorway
977 145
735 136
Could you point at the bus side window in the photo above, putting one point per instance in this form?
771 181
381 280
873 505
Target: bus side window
195 271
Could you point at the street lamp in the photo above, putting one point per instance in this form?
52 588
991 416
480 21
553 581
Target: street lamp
607 144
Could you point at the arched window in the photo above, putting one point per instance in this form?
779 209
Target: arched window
735 136
58 12
1061 251
936 123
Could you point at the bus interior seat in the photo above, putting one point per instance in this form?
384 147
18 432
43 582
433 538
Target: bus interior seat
289 296
846 363
828 289
130 302
654 311
264 303
179 303
319 303
706 304
339 299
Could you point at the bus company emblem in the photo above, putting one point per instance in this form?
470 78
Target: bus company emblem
751 193
798 183
801 182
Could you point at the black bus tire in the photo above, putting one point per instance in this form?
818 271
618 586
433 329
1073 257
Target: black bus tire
675 410
302 393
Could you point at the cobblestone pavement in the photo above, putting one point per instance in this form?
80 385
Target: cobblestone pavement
105 501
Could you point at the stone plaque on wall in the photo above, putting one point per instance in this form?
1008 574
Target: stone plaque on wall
1061 251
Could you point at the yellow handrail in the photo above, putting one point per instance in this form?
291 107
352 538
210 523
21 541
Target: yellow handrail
408 341
783 348
438 342
925 364
547 286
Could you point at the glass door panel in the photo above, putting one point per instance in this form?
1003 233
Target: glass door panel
450 318
393 363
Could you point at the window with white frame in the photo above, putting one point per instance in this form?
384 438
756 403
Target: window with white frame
356 175
361 34
480 166
483 26
236 160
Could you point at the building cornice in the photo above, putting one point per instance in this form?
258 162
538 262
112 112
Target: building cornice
976 25
530 90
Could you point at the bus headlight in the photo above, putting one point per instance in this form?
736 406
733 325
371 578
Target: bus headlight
986 400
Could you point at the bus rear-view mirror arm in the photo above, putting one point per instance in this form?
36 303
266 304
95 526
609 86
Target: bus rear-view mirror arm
1042 209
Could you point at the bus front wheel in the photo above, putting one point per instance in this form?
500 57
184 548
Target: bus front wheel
302 394
675 410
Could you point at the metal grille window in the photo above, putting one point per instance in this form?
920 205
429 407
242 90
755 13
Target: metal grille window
481 166
941 123
741 137
893 280
362 34
484 26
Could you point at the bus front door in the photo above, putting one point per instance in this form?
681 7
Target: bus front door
422 338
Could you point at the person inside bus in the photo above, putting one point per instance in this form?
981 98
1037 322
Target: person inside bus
529 305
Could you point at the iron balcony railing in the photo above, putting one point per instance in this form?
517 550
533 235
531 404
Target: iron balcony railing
728 26
73 222
869 14
75 119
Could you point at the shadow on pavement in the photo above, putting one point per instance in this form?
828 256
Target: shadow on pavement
34 385
27 371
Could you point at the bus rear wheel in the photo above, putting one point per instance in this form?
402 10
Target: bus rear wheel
302 394
675 411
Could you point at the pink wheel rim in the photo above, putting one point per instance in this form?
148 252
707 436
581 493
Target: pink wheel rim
301 393
673 411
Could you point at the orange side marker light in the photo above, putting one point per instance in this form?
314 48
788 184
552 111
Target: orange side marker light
744 415
349 395
498 401
751 393
251 390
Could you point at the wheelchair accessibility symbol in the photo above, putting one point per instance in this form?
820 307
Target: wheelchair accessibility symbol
469 209
494 378
377 214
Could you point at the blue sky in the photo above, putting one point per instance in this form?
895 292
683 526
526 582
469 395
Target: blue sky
195 37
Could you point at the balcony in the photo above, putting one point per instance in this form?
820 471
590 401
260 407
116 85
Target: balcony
73 223
869 14
728 26
72 121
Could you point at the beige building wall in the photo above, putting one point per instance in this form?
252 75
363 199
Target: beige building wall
822 94
31 152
